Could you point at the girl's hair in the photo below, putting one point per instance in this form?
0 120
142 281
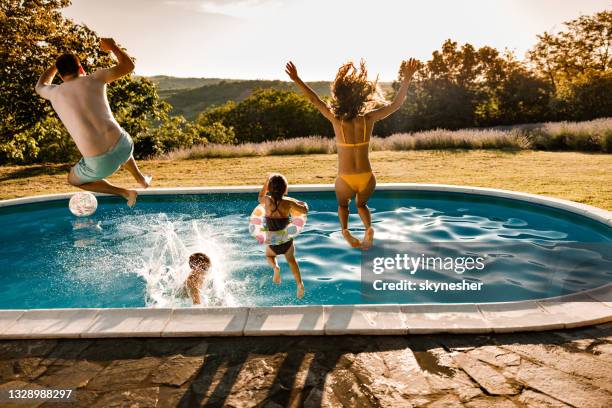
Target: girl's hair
353 94
277 185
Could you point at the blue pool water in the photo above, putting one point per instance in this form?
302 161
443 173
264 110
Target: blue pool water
123 257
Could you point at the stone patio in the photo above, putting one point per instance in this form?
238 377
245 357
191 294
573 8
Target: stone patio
548 369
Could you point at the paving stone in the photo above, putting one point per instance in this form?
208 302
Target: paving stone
403 371
176 370
255 381
73 376
8 370
113 349
26 348
495 356
170 397
488 378
66 352
534 399
490 402
448 401
347 389
581 364
122 374
603 352
30 367
562 386
141 398
15 385
374 375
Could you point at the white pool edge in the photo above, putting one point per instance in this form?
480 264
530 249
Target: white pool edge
591 307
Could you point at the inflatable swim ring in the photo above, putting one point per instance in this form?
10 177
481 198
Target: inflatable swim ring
257 227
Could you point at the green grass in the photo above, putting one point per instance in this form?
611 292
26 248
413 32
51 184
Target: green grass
581 177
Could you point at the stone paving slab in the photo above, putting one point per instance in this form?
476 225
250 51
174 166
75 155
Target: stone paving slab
460 318
577 310
518 316
51 323
278 321
561 368
197 322
130 322
364 319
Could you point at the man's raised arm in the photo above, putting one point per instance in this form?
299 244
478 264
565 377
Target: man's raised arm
45 80
124 66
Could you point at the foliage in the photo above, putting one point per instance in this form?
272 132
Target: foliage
32 34
269 114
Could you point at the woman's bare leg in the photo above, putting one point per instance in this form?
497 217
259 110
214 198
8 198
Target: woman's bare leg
295 269
103 186
344 194
271 257
132 167
364 213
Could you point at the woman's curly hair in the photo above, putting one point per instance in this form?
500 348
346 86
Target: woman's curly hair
353 94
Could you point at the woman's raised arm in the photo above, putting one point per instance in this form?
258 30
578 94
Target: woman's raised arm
408 68
291 70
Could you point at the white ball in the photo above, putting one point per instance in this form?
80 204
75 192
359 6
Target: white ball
83 204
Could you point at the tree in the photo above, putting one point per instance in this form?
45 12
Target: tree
269 114
32 34
584 45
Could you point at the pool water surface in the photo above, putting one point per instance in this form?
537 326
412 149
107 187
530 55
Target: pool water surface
122 257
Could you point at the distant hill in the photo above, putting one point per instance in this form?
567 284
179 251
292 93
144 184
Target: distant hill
190 96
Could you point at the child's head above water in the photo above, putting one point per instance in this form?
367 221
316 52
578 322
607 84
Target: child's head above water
199 261
277 186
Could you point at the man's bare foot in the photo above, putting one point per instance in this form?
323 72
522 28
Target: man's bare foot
352 241
145 181
300 290
368 239
131 196
277 277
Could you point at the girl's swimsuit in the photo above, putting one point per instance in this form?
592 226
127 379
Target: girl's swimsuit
279 224
357 181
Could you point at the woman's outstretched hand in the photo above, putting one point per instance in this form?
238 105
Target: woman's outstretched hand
291 70
408 68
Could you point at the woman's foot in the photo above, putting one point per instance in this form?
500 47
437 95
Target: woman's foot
300 290
352 241
131 196
277 277
368 239
145 181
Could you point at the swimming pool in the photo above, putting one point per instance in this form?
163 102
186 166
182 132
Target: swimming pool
123 257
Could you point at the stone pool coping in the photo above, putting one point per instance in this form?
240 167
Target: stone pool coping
576 310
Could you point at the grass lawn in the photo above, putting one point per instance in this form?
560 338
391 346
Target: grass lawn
585 178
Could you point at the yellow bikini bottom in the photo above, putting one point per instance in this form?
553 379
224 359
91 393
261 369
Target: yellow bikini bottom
358 181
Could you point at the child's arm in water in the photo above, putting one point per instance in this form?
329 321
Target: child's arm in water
124 66
407 70
194 282
291 70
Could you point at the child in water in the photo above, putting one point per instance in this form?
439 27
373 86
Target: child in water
199 264
278 209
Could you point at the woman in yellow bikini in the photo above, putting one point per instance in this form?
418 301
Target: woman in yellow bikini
356 105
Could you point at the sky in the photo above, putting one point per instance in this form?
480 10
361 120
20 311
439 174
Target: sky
252 39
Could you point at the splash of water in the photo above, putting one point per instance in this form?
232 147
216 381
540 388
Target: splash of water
165 265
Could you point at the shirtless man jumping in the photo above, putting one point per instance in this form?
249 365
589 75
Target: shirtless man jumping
82 106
